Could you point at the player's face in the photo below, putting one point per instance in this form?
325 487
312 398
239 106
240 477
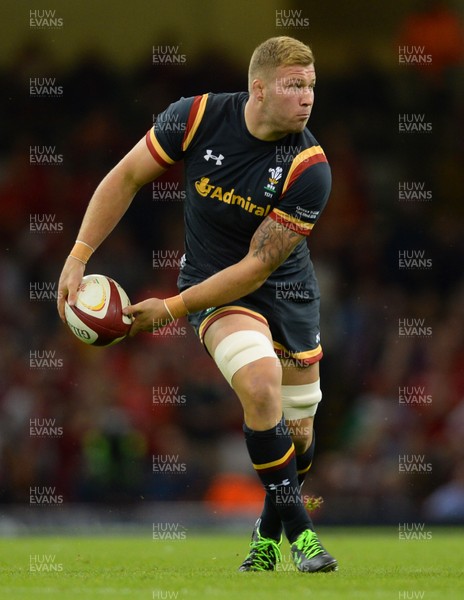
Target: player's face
288 98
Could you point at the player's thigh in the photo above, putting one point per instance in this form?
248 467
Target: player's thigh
229 324
299 375
260 372
253 369
243 351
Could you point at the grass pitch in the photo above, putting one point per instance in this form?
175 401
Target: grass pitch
373 564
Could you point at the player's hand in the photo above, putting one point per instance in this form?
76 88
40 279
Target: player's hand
70 279
149 315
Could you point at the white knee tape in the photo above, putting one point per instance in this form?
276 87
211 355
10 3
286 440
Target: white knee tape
300 401
241 348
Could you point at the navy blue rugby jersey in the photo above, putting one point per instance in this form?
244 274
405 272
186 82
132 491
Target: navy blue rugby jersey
234 180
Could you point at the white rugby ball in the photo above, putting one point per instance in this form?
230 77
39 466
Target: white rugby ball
97 318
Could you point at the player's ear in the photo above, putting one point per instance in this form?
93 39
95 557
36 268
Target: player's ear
257 89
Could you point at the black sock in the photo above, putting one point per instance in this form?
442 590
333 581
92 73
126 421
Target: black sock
305 460
273 456
271 525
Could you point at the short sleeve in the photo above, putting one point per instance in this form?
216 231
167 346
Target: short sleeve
175 128
305 191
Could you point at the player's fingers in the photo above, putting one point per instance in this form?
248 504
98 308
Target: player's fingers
66 294
60 304
70 279
72 297
141 322
134 328
136 312
131 309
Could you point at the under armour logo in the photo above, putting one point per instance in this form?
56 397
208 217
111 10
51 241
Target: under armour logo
209 154
274 486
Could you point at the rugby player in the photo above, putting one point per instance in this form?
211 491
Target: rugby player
256 183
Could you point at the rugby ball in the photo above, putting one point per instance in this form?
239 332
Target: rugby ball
97 318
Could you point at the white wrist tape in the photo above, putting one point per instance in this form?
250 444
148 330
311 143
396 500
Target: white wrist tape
241 348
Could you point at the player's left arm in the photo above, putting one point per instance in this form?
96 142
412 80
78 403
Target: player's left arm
271 244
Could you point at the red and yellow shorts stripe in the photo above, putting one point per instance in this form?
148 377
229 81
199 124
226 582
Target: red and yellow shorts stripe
225 311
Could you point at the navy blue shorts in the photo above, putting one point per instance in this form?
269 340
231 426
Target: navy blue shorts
289 309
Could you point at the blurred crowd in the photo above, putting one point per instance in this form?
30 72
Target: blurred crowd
96 425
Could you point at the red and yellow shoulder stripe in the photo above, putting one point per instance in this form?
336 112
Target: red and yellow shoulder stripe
300 163
293 223
197 111
304 160
195 116
156 150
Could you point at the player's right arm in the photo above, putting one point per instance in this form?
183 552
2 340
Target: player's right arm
108 204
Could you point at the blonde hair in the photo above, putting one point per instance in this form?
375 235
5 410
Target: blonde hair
275 52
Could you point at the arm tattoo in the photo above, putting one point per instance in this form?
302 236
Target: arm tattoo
272 243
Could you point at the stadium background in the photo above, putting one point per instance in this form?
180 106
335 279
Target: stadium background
83 428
